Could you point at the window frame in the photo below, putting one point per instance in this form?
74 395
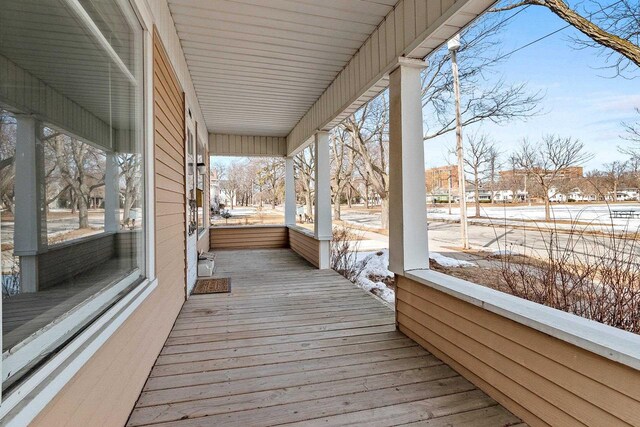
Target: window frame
31 393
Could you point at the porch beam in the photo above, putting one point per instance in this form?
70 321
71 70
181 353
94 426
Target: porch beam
247 145
407 193
322 216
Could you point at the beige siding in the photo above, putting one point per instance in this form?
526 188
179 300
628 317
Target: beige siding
247 237
170 182
305 245
244 145
542 379
105 389
412 29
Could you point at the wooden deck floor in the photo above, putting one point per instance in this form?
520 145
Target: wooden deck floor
295 345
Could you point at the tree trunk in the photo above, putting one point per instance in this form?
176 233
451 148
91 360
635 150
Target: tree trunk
349 194
547 208
336 208
384 216
476 183
366 195
83 212
308 205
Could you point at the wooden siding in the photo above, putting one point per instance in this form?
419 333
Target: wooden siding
170 182
293 344
413 29
540 378
304 243
243 145
106 387
249 237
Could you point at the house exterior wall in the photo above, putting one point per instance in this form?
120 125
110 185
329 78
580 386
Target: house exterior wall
105 389
541 379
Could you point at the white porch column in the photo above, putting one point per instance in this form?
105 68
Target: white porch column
289 192
30 226
322 217
111 194
407 194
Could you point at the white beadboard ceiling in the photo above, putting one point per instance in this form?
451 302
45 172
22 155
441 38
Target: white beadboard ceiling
258 65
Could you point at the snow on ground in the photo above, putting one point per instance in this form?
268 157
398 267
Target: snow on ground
446 261
596 215
374 271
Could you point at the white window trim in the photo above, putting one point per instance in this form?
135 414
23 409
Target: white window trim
609 342
53 335
31 396
24 403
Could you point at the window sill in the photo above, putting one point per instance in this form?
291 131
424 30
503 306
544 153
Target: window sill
609 342
26 401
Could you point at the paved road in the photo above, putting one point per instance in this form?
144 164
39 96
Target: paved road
445 237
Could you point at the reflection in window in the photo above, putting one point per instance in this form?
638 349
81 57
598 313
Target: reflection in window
71 171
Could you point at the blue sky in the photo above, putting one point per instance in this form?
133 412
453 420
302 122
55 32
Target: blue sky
580 100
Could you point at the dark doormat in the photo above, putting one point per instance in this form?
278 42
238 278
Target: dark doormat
212 286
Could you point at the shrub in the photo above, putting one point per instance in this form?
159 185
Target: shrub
589 273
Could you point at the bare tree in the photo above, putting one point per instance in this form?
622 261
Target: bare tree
493 170
614 173
478 57
230 181
368 135
613 27
304 164
81 168
271 175
342 167
130 166
545 163
7 157
478 157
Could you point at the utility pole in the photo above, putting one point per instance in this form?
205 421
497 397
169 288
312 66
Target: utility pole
453 45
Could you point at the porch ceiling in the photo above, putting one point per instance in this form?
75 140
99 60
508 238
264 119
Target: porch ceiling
259 66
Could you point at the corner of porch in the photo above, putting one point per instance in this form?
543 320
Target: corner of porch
292 344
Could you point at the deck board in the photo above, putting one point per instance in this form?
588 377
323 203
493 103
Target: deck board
295 345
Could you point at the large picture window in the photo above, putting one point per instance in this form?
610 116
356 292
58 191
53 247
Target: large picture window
71 170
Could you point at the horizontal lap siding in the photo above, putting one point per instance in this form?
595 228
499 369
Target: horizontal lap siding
106 388
306 246
169 171
542 379
248 237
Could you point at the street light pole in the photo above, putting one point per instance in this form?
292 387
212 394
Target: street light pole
453 45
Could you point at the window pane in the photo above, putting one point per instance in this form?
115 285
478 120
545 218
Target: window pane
71 170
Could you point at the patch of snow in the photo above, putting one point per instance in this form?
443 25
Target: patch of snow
376 264
501 252
375 268
446 261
